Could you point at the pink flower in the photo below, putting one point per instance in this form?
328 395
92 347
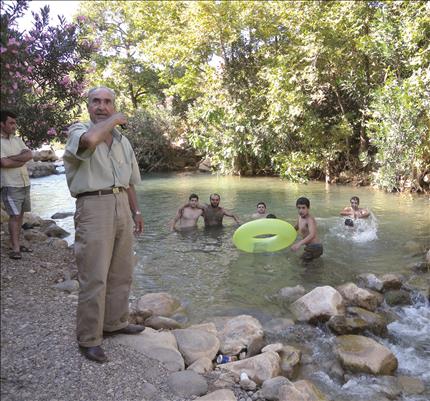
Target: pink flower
3 49
15 86
81 18
30 70
65 80
52 132
12 41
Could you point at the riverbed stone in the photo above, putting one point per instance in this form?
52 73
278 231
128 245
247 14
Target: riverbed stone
195 344
363 354
32 219
159 345
370 280
62 215
392 281
302 390
161 322
277 326
218 395
375 322
356 296
161 303
270 389
38 169
341 324
187 383
319 304
290 360
52 230
202 365
259 368
276 347
428 256
240 332
397 297
411 385
208 327
291 294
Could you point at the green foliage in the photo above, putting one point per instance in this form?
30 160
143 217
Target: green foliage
42 75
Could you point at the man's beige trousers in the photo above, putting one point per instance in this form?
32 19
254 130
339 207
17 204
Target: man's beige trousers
104 256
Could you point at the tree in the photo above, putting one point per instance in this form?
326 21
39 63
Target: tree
42 72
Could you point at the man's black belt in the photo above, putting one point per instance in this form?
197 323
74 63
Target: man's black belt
115 190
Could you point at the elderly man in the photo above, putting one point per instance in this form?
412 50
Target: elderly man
15 182
102 172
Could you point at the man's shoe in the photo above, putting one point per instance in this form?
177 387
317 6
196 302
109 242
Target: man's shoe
94 353
130 329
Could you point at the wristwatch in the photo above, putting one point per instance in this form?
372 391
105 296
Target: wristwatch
137 212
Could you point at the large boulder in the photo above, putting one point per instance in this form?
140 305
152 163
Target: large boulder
302 390
41 169
259 368
240 333
52 230
290 360
160 303
364 355
356 296
370 280
195 344
32 219
375 323
391 281
319 304
157 345
187 384
44 154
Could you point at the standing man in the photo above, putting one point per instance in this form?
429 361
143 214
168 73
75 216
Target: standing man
15 182
213 214
188 215
307 227
102 171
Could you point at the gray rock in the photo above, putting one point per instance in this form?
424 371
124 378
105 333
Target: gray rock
187 383
270 388
397 297
61 215
55 231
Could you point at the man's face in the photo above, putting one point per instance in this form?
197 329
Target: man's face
302 210
214 201
101 105
9 126
354 204
261 209
193 202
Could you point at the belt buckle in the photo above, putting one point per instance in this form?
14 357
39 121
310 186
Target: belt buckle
115 190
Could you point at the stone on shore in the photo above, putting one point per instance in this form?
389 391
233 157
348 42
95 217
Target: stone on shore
160 346
391 281
291 294
290 360
270 389
202 365
62 215
161 322
364 355
355 296
371 281
161 304
187 383
319 304
240 333
259 368
195 344
302 390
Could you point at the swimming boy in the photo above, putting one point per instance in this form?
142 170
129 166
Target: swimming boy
354 211
307 227
188 215
261 211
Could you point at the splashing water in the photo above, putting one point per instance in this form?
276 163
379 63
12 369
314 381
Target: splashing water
364 230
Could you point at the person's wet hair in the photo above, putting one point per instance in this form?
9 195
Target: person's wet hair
349 222
261 203
271 216
193 196
356 199
303 201
210 196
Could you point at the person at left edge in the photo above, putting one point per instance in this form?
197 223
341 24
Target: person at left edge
15 181
102 171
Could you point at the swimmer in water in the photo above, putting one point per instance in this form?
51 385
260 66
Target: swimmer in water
188 215
354 212
261 212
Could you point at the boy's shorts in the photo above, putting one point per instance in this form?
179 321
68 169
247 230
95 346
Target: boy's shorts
16 200
312 251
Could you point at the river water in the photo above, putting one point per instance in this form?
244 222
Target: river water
211 277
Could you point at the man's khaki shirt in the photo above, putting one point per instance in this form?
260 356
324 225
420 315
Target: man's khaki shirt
102 168
15 176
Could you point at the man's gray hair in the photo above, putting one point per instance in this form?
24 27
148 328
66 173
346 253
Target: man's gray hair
92 90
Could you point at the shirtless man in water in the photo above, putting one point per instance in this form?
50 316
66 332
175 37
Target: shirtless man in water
354 212
188 215
213 214
307 227
261 212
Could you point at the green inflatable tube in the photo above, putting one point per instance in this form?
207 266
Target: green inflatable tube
278 234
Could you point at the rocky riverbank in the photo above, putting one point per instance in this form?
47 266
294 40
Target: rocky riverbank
168 361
